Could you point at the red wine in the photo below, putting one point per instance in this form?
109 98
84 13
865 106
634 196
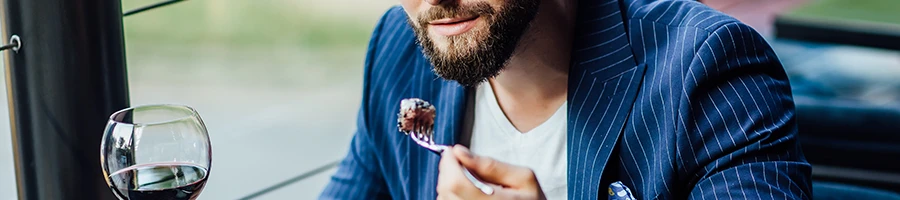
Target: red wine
176 181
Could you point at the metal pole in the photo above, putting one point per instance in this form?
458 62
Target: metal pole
63 83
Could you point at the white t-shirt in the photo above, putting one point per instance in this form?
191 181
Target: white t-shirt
543 149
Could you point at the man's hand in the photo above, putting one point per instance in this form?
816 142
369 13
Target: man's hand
509 181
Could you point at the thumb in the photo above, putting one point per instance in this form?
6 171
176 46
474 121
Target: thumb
494 171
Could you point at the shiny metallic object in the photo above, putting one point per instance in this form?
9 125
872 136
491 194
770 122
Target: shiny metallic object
424 136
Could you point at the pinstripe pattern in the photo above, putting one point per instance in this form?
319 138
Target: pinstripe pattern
672 98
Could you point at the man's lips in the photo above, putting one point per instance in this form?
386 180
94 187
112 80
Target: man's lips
452 26
451 20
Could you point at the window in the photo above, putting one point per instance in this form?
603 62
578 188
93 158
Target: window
277 82
7 167
843 60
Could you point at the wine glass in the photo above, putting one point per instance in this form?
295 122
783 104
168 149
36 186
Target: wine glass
156 152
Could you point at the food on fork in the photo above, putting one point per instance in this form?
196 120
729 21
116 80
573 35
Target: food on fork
416 115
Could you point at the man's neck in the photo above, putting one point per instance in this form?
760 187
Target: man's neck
534 83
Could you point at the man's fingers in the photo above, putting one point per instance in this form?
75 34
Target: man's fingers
448 197
499 193
452 184
449 163
493 171
508 181
449 174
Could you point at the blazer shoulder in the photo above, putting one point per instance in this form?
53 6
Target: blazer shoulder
392 55
693 20
392 46
392 28
683 14
392 43
719 42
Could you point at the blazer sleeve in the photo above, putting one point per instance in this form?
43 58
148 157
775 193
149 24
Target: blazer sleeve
738 129
359 175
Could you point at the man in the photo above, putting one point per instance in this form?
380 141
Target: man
577 99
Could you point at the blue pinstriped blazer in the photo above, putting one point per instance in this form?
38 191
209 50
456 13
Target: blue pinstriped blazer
672 98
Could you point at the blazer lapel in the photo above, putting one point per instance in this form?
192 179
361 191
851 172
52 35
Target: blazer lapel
603 81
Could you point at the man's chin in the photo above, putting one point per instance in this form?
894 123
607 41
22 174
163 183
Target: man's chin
465 41
442 49
453 51
440 43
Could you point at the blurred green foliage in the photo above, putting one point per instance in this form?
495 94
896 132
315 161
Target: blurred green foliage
868 10
242 23
250 43
314 24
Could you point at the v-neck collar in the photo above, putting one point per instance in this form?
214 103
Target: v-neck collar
485 94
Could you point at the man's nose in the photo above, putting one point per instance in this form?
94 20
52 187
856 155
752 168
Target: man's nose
434 2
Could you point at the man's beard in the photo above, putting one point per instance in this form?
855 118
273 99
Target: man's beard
478 54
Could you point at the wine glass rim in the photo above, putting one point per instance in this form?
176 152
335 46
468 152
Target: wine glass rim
193 113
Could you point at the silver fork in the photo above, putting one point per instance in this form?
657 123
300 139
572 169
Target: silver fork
425 138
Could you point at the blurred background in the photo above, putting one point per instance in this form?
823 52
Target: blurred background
278 83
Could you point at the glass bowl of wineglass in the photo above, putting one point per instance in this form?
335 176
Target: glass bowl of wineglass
156 152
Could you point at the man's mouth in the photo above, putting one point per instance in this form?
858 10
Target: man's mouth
452 26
